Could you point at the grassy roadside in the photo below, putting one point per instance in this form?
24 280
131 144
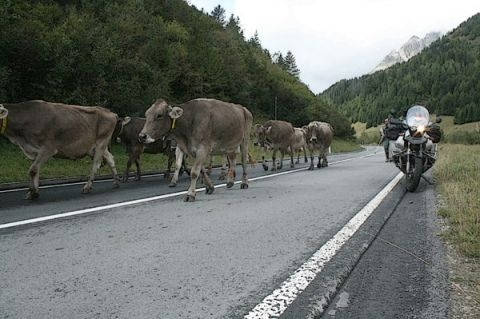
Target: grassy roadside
14 165
457 171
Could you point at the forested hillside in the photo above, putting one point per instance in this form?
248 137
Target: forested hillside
124 54
445 77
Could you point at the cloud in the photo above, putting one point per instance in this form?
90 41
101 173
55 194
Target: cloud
332 40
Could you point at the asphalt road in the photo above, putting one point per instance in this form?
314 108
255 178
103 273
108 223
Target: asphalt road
404 273
215 258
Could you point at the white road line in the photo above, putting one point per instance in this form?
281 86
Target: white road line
276 303
81 183
148 199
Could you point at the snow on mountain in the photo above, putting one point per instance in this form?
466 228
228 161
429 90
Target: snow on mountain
411 48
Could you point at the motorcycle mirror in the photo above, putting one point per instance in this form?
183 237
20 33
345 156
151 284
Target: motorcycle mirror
438 120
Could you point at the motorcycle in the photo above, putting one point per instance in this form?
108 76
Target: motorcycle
415 150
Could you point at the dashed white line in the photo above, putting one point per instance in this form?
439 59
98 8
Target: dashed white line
277 302
148 199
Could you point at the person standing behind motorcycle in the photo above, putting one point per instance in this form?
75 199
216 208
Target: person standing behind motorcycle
385 140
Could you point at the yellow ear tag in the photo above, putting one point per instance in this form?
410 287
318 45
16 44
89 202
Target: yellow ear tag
173 123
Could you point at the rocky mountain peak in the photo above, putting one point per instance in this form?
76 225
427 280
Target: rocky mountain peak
412 47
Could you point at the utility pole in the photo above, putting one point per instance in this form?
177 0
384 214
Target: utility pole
275 108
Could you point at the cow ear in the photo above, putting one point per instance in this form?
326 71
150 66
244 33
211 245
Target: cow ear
126 120
175 112
268 130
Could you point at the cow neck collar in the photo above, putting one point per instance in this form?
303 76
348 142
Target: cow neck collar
3 125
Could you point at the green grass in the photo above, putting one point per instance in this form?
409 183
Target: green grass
457 171
14 165
468 133
342 145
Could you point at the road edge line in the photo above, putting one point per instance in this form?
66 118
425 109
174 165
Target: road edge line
275 304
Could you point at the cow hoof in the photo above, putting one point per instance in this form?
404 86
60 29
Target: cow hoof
230 184
292 166
189 198
172 185
209 190
166 176
265 167
31 195
319 166
310 168
326 165
86 190
297 162
244 186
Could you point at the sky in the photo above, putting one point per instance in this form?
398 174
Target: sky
341 39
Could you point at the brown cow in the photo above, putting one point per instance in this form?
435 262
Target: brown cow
43 129
300 144
319 137
128 135
279 136
199 127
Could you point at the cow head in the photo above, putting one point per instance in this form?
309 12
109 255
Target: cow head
119 128
3 112
160 120
262 133
311 133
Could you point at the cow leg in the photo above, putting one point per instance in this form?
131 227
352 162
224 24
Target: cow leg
178 166
127 169
201 156
108 157
208 182
311 158
231 169
244 154
274 159
305 154
319 164
184 167
292 165
282 154
325 161
34 172
97 160
223 173
139 170
210 165
167 174
264 163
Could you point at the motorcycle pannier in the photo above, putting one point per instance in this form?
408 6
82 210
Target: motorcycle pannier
435 133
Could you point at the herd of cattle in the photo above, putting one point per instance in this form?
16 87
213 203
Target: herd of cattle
197 129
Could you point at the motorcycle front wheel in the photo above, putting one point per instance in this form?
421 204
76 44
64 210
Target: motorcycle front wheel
413 178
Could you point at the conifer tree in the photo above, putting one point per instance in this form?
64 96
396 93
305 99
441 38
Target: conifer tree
291 65
218 13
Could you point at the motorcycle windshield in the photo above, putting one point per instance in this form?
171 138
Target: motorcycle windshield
418 116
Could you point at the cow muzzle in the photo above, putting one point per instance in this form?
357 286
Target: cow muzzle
145 138
313 139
